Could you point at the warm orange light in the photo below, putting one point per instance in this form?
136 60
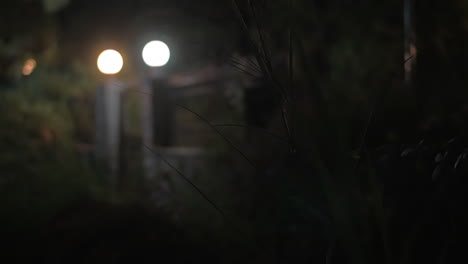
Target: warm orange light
110 62
29 66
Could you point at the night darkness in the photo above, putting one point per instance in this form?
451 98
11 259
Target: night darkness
249 131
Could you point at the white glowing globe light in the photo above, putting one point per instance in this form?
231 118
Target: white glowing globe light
156 53
110 62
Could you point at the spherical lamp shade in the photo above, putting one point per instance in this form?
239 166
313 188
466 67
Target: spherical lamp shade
110 62
156 53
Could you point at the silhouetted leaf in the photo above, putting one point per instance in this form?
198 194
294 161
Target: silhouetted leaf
460 157
436 172
407 151
355 154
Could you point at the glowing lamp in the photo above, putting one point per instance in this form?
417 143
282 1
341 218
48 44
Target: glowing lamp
156 53
29 66
110 62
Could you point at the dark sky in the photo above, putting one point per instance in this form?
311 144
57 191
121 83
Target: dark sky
195 30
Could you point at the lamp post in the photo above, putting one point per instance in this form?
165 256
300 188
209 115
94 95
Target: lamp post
109 62
155 54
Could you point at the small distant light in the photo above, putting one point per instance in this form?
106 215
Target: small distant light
110 62
156 53
29 66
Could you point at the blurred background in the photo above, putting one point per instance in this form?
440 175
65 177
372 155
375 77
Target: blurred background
282 131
